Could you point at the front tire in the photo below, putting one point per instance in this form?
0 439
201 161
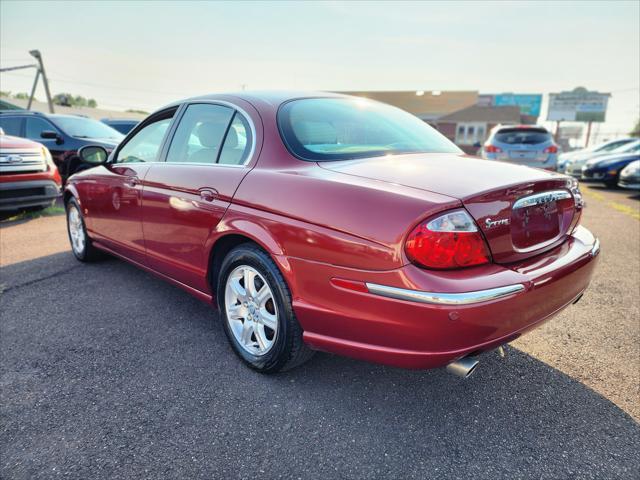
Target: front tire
256 312
81 245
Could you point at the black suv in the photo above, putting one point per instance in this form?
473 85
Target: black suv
63 135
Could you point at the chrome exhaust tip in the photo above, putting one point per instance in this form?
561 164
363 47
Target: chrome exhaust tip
463 367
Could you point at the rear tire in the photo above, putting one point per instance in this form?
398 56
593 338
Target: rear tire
81 245
255 308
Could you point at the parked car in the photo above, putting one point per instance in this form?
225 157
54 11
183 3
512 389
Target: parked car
574 166
529 145
28 177
124 126
630 176
607 169
63 135
328 222
604 147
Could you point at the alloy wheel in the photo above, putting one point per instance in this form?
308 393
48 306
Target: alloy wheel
251 310
76 230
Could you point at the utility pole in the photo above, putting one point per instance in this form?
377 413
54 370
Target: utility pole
38 56
586 144
557 133
39 71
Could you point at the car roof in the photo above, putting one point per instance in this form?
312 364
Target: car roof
40 114
616 156
272 97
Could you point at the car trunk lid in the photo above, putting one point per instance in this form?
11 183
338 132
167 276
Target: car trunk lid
521 211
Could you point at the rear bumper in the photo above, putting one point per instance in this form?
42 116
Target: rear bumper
16 195
406 324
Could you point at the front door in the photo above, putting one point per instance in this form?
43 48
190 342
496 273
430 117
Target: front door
116 193
34 126
186 197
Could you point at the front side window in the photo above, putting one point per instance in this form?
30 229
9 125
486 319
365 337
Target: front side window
200 134
35 126
326 129
145 145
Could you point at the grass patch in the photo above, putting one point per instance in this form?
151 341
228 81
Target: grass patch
31 214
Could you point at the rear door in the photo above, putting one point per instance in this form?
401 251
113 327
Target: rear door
186 196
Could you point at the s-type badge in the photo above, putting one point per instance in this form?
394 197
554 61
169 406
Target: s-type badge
490 223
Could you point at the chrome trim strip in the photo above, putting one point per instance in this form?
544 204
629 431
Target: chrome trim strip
541 198
464 298
595 250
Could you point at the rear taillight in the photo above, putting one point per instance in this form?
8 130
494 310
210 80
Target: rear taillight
551 149
449 241
492 149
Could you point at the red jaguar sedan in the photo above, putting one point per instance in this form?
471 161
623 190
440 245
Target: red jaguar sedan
328 222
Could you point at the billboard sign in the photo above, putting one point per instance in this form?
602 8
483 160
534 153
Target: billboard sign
529 103
579 105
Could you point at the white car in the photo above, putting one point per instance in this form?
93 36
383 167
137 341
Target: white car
630 176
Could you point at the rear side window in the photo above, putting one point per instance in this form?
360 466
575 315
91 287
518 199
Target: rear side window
11 125
521 136
327 129
199 136
237 142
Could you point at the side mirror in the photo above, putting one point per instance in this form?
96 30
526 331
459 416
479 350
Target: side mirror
51 135
93 155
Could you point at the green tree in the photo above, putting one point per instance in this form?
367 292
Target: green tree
68 100
21 96
636 130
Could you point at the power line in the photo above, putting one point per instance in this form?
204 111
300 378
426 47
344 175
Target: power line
98 85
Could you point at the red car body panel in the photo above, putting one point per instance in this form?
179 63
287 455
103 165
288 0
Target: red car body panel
349 220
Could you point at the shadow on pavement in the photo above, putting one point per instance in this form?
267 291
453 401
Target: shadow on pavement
110 372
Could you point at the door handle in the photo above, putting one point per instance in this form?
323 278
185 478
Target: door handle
132 181
208 194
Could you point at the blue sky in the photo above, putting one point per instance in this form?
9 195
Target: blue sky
145 54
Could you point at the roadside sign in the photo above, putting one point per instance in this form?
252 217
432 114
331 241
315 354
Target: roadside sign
529 103
579 105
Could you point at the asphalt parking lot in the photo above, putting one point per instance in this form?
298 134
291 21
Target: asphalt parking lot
108 372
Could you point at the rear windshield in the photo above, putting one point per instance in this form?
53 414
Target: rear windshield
520 136
327 129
